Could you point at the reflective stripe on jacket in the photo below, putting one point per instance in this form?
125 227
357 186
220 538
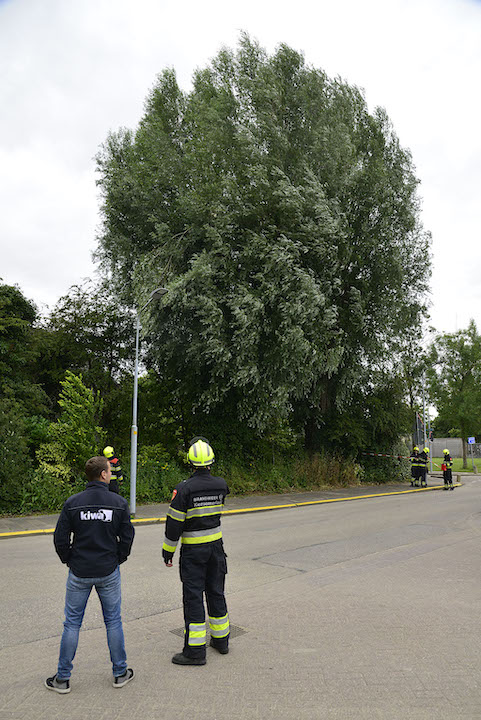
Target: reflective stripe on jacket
116 469
423 460
194 513
415 462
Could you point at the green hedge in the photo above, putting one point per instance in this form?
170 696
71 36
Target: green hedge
158 474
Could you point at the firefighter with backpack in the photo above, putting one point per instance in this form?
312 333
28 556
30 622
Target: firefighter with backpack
447 468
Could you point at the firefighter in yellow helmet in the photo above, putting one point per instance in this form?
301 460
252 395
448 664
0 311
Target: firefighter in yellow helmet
414 459
447 468
423 461
194 518
117 477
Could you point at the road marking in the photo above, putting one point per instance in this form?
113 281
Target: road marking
47 531
154 521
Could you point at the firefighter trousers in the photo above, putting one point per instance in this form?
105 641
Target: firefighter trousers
448 476
203 568
114 486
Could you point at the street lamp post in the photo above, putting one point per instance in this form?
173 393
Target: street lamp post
156 294
428 435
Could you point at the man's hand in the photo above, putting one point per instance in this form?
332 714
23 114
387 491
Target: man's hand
167 557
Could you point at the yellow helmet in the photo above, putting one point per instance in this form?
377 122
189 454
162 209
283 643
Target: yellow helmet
201 454
426 450
415 448
446 452
108 451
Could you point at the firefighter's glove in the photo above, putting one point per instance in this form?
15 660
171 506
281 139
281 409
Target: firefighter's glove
167 557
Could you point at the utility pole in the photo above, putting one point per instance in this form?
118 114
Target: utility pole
424 411
155 295
430 443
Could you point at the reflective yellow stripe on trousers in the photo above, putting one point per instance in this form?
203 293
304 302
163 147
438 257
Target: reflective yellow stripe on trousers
219 626
197 633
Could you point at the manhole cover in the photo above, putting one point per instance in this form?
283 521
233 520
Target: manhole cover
235 631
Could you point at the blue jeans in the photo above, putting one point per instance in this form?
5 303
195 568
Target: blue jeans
78 592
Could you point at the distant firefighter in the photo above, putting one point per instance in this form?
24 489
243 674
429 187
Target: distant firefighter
117 476
447 468
415 467
423 460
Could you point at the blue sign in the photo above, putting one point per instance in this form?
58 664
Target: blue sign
471 441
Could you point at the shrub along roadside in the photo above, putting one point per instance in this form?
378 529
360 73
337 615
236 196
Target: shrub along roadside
158 474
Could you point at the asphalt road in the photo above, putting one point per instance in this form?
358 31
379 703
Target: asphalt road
364 609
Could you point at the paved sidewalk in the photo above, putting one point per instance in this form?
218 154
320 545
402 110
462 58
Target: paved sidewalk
250 503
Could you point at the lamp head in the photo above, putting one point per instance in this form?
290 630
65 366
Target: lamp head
158 293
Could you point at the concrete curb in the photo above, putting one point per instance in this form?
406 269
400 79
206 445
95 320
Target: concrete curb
239 511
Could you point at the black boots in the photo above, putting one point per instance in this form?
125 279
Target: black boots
181 659
222 649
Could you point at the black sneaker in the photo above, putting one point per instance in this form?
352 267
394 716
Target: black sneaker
181 659
223 650
60 686
122 680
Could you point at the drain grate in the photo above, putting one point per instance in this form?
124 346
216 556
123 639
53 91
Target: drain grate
235 631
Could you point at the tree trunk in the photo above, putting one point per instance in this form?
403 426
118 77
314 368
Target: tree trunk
311 432
465 453
183 428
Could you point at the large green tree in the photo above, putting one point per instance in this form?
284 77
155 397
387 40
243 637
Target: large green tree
455 383
283 216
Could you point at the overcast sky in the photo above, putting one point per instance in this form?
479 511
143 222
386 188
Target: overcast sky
72 71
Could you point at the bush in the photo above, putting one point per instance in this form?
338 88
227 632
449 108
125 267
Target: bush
299 472
322 469
382 470
36 428
157 475
15 463
47 492
52 461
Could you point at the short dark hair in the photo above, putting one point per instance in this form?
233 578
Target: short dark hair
95 466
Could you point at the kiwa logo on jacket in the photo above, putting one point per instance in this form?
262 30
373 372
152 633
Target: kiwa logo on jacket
104 515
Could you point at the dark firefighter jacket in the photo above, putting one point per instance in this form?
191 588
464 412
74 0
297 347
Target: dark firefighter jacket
415 462
194 512
116 469
102 532
423 460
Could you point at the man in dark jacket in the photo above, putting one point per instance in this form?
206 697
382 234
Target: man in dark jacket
194 518
93 537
